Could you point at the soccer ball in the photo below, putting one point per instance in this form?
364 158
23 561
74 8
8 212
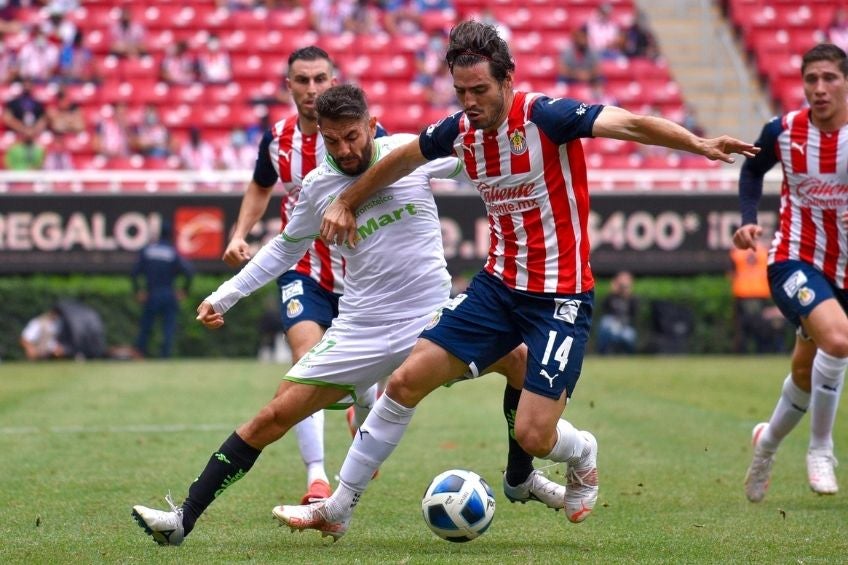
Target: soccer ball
458 505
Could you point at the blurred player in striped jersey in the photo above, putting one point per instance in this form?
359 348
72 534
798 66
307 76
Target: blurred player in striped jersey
522 152
808 262
309 293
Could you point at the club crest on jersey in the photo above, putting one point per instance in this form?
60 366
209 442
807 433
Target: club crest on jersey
294 308
806 295
434 321
566 309
517 143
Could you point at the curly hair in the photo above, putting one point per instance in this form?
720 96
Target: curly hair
342 102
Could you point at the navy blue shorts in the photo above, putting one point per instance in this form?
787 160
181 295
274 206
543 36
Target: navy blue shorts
303 299
489 320
798 287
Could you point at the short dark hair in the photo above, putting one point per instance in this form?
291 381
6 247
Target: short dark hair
342 102
310 53
472 42
826 52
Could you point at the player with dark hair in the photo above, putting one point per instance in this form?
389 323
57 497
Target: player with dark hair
392 292
523 154
807 262
309 293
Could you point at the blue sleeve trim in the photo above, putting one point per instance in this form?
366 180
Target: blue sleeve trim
437 140
754 169
264 174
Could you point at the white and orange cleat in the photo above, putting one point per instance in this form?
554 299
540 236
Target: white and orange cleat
759 472
820 471
318 490
581 487
310 517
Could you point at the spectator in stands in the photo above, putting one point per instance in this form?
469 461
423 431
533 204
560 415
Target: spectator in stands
57 157
213 64
38 59
600 95
439 92
487 16
126 36
76 62
637 39
603 33
24 114
196 154
152 138
42 337
178 65
619 313
24 154
401 17
160 265
328 17
365 18
424 5
64 115
8 61
58 29
9 23
114 133
428 59
837 30
578 62
237 154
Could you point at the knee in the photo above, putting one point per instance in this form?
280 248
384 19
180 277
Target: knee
402 389
533 439
835 344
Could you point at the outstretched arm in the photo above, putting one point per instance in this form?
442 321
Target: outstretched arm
339 222
618 123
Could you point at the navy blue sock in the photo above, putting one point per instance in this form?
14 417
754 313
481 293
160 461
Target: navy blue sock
519 463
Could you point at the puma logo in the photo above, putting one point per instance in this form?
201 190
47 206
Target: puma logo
801 147
286 155
550 378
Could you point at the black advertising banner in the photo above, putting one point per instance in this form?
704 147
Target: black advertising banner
642 232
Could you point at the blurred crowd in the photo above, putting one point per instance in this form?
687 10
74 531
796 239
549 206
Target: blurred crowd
42 58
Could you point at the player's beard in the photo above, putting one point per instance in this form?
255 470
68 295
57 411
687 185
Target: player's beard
491 120
362 163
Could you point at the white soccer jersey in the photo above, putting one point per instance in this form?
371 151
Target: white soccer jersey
397 269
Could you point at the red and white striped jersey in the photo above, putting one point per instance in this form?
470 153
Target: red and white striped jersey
814 196
531 175
285 153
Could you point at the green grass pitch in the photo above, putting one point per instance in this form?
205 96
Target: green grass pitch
80 443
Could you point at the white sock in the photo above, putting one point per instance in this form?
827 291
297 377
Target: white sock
364 403
828 376
310 441
569 444
377 438
790 408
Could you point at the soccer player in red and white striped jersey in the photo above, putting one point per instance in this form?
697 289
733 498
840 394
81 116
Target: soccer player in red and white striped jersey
523 154
808 261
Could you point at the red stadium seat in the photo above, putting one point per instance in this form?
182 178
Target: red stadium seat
288 18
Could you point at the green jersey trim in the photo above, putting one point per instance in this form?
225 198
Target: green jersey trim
314 382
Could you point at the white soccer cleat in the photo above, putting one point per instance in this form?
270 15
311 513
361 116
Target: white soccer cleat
581 486
166 527
820 471
759 473
310 517
537 488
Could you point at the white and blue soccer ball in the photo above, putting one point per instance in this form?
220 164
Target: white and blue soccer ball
458 505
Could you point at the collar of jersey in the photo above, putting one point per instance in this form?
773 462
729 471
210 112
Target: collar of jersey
375 156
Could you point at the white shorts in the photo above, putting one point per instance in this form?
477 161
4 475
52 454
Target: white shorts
355 355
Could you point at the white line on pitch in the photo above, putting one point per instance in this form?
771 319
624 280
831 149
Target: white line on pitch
138 428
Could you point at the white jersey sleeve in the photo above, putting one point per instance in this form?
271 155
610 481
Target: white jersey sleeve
276 257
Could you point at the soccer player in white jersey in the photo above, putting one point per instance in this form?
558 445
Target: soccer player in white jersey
808 262
309 293
523 154
392 292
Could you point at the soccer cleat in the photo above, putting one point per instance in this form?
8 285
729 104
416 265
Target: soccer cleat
166 527
310 517
319 489
537 487
820 465
759 473
581 486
